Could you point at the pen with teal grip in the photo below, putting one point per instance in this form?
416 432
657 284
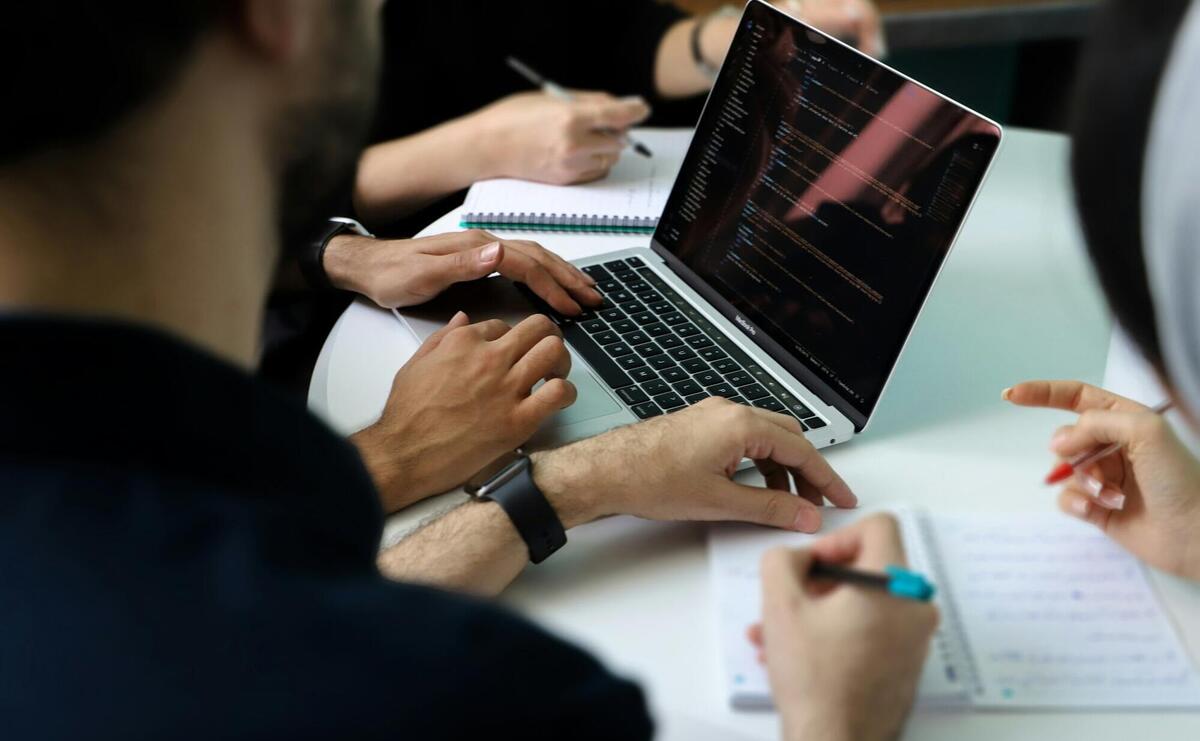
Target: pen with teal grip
896 580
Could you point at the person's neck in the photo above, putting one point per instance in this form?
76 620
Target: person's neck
171 224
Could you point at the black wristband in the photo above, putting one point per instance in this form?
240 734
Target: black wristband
312 258
530 512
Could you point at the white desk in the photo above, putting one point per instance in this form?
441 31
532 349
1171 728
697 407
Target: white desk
1016 302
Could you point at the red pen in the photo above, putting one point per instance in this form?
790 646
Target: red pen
1067 469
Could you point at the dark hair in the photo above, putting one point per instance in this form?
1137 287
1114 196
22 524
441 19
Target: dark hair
72 68
1118 82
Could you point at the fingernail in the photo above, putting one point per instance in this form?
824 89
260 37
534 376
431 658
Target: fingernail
487 254
457 316
588 279
1080 507
1005 394
807 521
1111 499
1058 440
1090 484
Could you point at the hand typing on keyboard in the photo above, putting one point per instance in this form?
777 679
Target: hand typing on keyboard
680 467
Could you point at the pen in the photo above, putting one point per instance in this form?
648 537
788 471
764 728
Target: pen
558 91
895 580
1067 469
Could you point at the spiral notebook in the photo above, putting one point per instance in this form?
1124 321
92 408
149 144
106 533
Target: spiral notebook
629 200
1037 612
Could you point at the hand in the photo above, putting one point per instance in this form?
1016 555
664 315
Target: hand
534 136
1147 496
854 20
844 661
406 272
680 467
462 401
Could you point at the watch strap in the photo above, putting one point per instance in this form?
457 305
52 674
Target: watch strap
312 258
531 514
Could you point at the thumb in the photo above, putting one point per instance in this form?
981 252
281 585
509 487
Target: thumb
1103 427
736 502
784 572
479 262
432 341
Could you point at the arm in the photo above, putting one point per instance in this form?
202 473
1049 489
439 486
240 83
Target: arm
670 468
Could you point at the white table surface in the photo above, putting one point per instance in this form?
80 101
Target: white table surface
1016 301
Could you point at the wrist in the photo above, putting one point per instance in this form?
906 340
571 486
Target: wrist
342 260
715 38
482 133
568 485
826 726
395 478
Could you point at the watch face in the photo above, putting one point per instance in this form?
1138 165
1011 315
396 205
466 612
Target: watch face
476 486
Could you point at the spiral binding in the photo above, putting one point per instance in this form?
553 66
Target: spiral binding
560 222
951 638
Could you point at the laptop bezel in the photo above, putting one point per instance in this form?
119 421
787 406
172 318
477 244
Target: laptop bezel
754 333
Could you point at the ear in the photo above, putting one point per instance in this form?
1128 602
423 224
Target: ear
277 30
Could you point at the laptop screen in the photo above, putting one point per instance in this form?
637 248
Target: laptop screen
819 198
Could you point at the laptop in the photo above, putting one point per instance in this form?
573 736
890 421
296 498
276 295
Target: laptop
818 200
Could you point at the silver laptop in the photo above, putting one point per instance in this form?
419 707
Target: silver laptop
815 207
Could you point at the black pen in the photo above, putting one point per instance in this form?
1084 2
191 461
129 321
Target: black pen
558 91
896 580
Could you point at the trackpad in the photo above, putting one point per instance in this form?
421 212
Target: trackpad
497 298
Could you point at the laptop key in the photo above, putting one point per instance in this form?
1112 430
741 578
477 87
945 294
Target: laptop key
753 391
632 395
642 375
695 398
608 286
647 410
739 378
635 262
674 318
649 297
593 326
685 353
674 375
699 342
661 362
722 389
657 329
725 365
687 330
669 400
710 354
797 408
624 326
616 265
636 286
661 307
637 338
617 349
620 297
630 362
596 271
695 365
688 387
738 400
815 423
770 403
632 307
644 318
648 349
607 338
595 356
612 315
654 388
709 378
670 341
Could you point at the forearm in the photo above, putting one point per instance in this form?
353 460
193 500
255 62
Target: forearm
397 177
474 547
676 74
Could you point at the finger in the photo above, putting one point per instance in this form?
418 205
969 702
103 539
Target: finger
580 284
1096 428
522 268
734 502
616 114
808 492
453 242
552 396
1074 396
529 332
1102 493
1081 506
754 634
774 440
873 543
432 341
774 475
490 330
545 360
599 144
870 28
459 267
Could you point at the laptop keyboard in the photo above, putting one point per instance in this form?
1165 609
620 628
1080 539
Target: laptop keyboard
659 354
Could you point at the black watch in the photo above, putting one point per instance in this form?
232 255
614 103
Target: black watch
513 489
312 259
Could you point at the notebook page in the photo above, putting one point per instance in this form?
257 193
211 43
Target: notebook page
734 553
1058 616
635 187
